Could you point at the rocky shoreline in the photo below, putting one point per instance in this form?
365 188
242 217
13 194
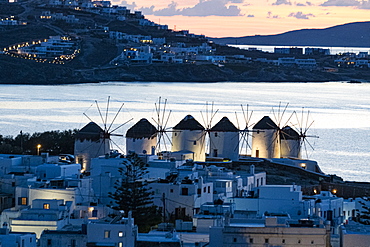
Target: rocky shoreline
16 71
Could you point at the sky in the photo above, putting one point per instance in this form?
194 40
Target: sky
236 18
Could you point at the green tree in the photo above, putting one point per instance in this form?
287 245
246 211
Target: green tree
133 194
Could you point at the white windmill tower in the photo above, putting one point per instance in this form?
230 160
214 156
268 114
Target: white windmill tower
224 140
93 141
141 138
189 136
265 139
290 143
294 140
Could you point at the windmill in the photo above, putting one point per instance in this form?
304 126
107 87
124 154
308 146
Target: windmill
304 124
161 120
94 140
244 133
267 134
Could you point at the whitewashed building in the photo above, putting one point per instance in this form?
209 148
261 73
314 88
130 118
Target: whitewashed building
273 231
265 139
224 140
141 138
189 136
90 142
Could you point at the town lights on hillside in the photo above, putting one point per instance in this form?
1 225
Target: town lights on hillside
38 149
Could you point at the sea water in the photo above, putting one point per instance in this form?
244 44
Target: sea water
339 112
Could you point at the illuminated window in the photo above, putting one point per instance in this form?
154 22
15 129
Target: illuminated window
22 201
46 206
121 234
106 234
120 244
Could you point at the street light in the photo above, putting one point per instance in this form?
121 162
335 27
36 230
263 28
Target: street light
38 149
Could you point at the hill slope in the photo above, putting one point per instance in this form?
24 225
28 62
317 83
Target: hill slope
355 34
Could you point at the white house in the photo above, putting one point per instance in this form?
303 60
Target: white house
282 199
273 231
182 197
43 214
118 232
17 239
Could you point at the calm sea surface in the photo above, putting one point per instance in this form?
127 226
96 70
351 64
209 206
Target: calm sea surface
340 112
333 50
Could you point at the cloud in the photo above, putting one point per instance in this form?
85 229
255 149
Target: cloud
129 6
364 5
271 16
341 3
169 11
203 8
309 3
147 10
300 15
281 2
300 4
250 15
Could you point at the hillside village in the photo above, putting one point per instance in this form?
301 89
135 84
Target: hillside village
93 41
208 191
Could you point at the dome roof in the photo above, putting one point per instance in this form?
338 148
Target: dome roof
288 133
142 129
91 131
265 123
189 123
225 125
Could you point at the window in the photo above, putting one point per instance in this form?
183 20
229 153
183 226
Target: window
234 240
106 234
257 153
13 184
216 134
22 201
251 240
48 242
184 191
46 206
205 189
215 153
73 243
199 191
121 234
209 189
120 244
266 240
283 241
299 241
171 190
312 242
94 213
195 143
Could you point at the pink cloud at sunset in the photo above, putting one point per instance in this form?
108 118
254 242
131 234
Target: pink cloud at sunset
225 18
